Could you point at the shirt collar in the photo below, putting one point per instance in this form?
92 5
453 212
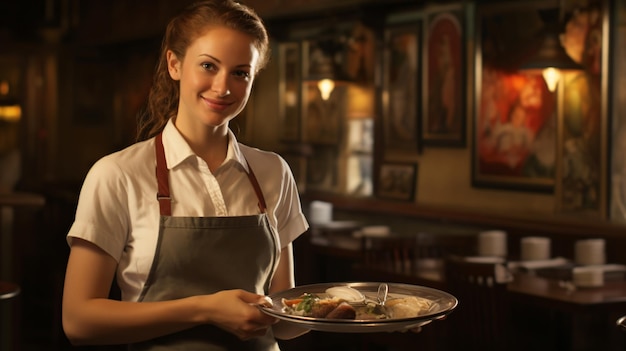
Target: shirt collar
178 150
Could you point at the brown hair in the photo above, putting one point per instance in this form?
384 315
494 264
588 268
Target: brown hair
181 31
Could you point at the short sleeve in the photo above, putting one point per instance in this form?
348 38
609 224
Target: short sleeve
102 212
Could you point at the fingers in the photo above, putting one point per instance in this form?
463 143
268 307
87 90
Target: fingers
264 301
238 312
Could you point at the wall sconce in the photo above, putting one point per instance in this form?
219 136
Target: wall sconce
10 110
10 113
326 87
325 68
550 56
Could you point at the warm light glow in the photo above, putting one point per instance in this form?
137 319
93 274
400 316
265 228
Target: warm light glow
326 87
11 113
552 77
291 98
4 87
360 102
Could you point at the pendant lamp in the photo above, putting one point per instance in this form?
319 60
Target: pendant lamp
549 54
326 70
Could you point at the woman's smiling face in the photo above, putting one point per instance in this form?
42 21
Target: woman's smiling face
215 76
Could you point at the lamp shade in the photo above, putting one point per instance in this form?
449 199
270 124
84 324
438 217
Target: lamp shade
325 64
550 53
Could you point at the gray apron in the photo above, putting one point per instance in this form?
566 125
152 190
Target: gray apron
203 255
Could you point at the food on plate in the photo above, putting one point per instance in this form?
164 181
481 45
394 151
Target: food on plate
344 302
311 305
408 307
346 293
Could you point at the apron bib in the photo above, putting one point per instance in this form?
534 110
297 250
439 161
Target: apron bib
203 255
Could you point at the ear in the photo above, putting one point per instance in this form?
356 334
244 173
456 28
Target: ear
173 65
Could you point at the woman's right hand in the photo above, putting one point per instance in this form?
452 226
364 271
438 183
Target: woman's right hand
91 318
237 312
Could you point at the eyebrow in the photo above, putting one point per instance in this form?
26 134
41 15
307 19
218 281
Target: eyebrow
246 65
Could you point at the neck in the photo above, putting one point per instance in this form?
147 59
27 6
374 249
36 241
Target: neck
210 144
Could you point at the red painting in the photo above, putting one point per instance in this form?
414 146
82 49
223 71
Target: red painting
515 129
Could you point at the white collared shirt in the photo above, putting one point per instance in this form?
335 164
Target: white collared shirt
118 212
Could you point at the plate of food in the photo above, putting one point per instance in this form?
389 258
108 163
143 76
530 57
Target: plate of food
360 307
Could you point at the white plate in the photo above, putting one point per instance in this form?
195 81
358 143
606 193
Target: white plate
444 304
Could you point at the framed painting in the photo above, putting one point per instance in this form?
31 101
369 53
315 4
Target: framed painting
396 181
515 118
401 90
443 103
581 186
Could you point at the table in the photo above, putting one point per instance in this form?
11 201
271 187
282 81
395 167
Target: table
545 311
567 317
554 292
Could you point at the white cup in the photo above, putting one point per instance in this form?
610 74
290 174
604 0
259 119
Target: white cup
588 277
321 212
492 243
590 252
535 248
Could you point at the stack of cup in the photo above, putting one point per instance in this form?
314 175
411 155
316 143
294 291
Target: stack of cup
590 252
534 248
492 243
321 212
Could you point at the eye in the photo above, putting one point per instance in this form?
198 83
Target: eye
242 74
208 66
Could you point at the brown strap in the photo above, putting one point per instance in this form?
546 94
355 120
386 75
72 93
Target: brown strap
257 189
163 194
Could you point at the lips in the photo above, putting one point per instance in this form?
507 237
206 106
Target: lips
217 104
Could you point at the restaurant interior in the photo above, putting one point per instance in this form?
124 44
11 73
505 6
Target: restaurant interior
470 147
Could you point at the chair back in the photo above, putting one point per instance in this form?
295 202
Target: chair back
480 322
392 254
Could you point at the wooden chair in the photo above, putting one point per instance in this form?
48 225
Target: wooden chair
480 322
389 254
412 259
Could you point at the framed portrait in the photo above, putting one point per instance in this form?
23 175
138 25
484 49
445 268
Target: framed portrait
396 180
443 102
515 118
401 90
289 91
581 185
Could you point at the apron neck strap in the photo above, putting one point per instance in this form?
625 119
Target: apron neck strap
257 188
162 175
163 194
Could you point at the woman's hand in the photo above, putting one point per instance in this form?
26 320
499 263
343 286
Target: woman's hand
237 312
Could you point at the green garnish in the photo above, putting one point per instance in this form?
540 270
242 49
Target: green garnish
307 303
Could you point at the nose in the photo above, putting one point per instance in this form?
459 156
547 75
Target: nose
220 84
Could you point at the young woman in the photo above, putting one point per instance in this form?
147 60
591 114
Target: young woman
196 244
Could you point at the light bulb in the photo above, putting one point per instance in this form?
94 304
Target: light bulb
326 87
551 76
